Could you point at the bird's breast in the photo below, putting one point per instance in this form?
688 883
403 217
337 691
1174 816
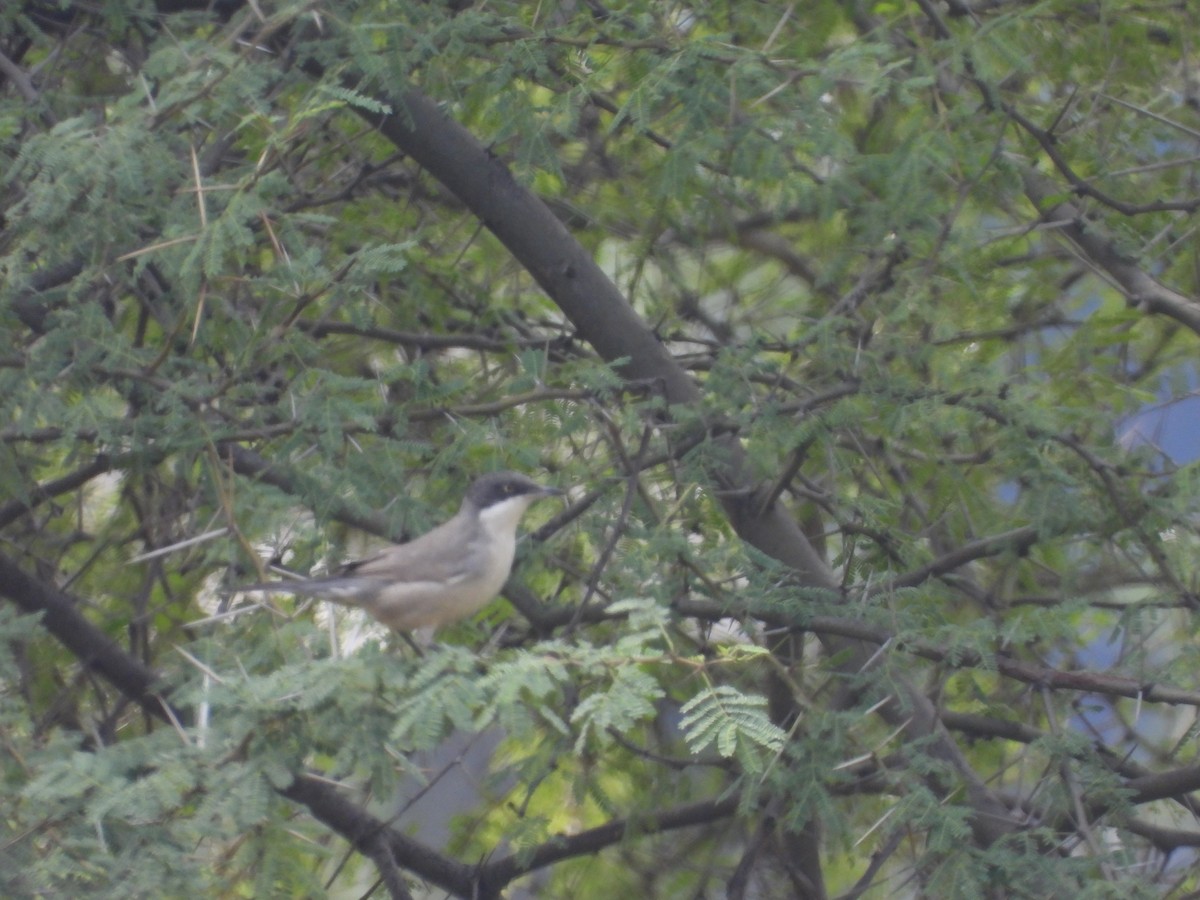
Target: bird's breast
492 558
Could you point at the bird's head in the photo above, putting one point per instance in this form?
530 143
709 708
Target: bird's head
510 492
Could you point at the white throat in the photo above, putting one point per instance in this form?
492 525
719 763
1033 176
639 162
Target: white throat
500 520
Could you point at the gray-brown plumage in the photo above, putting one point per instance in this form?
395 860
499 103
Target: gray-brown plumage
442 576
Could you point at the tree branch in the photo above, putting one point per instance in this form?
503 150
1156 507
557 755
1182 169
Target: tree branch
93 648
500 873
1016 541
1141 289
1019 670
41 493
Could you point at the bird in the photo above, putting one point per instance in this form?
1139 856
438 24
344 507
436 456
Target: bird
446 574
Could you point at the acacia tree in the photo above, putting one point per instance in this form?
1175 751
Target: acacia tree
855 329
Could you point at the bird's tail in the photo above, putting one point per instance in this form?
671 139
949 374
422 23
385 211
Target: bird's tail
337 590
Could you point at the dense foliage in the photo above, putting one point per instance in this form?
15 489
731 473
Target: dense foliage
864 336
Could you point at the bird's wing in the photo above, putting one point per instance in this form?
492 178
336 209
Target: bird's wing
438 556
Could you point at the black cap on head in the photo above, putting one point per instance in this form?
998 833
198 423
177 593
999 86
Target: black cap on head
496 487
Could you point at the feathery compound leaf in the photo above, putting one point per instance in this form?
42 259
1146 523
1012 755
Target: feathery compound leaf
724 717
356 99
630 698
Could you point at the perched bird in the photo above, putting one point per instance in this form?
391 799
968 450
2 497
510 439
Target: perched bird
445 574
